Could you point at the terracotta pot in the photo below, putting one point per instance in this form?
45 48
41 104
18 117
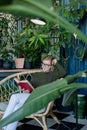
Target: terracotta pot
19 62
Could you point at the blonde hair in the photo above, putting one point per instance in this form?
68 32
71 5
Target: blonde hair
52 60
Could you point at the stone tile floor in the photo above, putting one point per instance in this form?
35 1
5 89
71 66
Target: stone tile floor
68 122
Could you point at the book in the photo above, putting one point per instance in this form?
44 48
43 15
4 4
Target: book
25 85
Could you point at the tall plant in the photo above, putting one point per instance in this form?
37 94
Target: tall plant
32 42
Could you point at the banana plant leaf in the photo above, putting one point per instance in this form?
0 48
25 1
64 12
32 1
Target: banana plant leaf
40 8
41 96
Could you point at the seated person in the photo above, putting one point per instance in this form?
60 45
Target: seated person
51 72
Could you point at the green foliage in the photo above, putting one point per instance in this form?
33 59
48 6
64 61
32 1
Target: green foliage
7 56
45 94
53 90
33 36
39 9
31 43
18 50
7 27
7 51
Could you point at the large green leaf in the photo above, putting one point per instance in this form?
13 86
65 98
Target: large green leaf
70 95
39 8
44 94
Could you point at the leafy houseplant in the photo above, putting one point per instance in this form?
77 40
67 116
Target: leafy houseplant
7 54
33 42
55 89
28 58
7 59
19 56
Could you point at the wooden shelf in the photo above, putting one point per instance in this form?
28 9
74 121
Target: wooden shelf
4 73
19 70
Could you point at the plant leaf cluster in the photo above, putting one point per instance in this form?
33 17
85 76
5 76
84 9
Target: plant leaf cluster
45 94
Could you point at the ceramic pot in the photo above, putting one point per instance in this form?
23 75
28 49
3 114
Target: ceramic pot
19 63
81 108
7 65
27 65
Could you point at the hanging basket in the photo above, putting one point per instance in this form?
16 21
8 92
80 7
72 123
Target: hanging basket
19 62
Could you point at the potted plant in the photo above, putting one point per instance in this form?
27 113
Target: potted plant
7 57
28 62
19 52
7 53
19 55
32 56
33 42
28 57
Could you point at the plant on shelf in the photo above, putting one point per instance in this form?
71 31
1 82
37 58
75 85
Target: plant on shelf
18 50
19 55
7 55
8 26
31 43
